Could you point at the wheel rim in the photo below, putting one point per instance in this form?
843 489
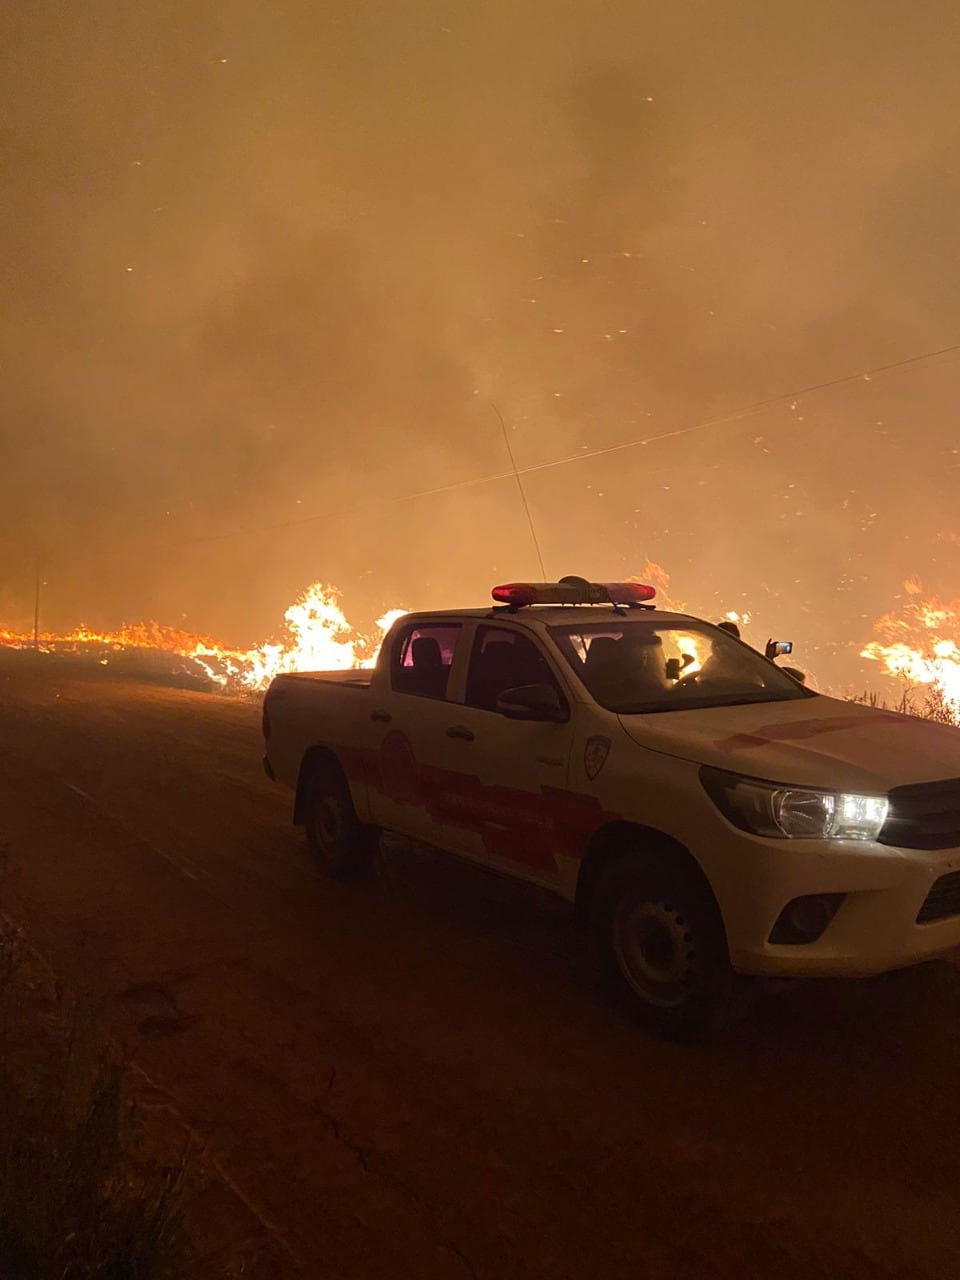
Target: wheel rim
328 820
653 942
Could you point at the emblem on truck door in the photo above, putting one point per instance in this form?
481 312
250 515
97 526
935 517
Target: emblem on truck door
595 756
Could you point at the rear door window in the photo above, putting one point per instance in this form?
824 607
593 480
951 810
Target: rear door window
421 658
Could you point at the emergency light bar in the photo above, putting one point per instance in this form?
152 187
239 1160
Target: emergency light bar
518 595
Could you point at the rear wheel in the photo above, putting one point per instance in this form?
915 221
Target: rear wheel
342 846
662 940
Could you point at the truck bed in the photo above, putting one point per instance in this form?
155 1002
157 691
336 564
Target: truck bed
359 679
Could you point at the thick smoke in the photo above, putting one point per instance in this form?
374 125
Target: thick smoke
266 263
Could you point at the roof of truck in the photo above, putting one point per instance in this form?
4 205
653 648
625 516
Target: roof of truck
554 615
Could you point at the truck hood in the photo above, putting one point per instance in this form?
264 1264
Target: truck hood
815 742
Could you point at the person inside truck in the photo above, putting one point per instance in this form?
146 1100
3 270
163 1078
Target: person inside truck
725 663
630 667
631 676
732 629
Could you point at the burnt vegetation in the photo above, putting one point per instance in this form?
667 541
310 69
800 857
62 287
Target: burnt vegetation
79 1199
929 702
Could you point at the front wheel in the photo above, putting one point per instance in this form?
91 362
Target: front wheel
662 940
342 846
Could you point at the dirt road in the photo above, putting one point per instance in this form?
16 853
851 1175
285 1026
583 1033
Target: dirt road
420 1076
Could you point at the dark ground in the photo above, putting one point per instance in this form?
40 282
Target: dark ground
420 1076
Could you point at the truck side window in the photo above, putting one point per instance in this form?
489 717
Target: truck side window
421 658
502 660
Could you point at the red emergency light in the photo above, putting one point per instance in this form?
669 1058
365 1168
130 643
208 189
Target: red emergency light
518 595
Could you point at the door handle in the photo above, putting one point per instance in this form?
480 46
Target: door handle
554 760
460 731
385 716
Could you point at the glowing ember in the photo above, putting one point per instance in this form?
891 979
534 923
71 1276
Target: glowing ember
918 645
317 637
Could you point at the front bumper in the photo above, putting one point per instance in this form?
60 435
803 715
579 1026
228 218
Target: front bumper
875 928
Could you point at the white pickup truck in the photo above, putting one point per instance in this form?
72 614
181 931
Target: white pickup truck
712 819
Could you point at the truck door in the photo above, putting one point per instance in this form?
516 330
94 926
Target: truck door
411 717
500 783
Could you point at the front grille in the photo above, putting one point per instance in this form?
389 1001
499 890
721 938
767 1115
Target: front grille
943 900
924 816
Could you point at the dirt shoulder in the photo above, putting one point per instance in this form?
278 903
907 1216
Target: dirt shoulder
420 1075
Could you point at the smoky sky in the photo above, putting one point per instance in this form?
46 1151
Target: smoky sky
265 263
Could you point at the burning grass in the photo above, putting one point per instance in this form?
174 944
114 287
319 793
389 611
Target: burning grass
316 636
919 645
78 1200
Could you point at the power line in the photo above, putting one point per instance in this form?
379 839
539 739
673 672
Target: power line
719 420
735 415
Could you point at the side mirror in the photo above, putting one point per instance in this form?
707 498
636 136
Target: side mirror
532 702
799 676
778 649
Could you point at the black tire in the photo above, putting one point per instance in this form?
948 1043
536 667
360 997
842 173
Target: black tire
661 939
342 846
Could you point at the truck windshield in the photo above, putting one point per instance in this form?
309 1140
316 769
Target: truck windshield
638 666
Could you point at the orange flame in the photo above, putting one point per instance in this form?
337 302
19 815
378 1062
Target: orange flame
919 645
656 576
317 637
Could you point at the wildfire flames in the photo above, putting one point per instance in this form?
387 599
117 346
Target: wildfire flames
317 637
917 646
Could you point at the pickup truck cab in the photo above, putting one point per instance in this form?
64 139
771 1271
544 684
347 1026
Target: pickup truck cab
713 819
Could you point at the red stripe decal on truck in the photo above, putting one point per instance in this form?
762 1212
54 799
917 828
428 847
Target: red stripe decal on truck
799 729
526 827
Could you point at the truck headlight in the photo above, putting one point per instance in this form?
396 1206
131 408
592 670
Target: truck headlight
769 809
